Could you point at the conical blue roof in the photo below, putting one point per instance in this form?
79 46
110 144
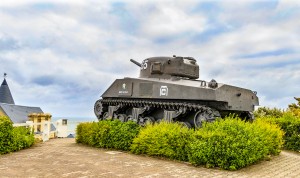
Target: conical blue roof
5 95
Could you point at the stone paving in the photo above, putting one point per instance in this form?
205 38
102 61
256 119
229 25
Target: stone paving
65 158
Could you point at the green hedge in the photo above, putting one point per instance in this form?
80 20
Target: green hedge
268 112
107 134
84 132
13 138
227 143
163 139
23 138
232 144
290 124
6 136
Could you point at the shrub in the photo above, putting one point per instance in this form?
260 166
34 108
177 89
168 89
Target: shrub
115 134
295 112
14 139
229 144
101 136
290 124
163 139
295 108
272 136
6 136
268 112
107 134
123 136
84 132
23 138
232 144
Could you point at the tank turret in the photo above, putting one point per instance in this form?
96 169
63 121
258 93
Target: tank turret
167 67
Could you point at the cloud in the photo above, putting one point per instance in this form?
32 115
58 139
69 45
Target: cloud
63 55
7 43
172 21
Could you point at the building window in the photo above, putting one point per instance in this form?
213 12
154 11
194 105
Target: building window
64 122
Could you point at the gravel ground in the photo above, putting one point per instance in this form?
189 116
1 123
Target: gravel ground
65 158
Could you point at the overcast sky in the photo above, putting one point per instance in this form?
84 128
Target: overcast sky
61 56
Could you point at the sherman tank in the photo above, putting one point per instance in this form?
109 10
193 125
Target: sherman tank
168 89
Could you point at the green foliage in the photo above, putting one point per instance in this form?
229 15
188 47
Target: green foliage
23 138
288 121
115 134
13 139
268 112
84 132
290 124
163 139
295 108
107 134
229 144
232 144
6 136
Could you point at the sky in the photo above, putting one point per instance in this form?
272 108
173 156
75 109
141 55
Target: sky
62 55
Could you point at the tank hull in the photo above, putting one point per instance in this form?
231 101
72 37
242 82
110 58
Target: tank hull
188 101
224 97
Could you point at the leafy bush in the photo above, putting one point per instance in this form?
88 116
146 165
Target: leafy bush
229 144
290 124
13 139
107 134
288 121
23 138
115 134
295 112
103 135
84 132
268 112
6 136
295 108
163 139
232 144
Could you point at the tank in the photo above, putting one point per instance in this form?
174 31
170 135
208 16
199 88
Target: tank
168 89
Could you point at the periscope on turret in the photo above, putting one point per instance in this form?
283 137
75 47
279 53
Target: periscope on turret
168 89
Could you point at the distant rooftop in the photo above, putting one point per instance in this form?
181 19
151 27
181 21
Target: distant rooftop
18 114
5 94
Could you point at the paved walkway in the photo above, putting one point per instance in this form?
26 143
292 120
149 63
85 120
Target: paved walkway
65 158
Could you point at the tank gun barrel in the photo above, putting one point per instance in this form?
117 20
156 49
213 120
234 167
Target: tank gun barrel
136 62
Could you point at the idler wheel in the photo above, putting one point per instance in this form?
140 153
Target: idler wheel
122 117
98 108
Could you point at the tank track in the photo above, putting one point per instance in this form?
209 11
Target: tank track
101 108
157 104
